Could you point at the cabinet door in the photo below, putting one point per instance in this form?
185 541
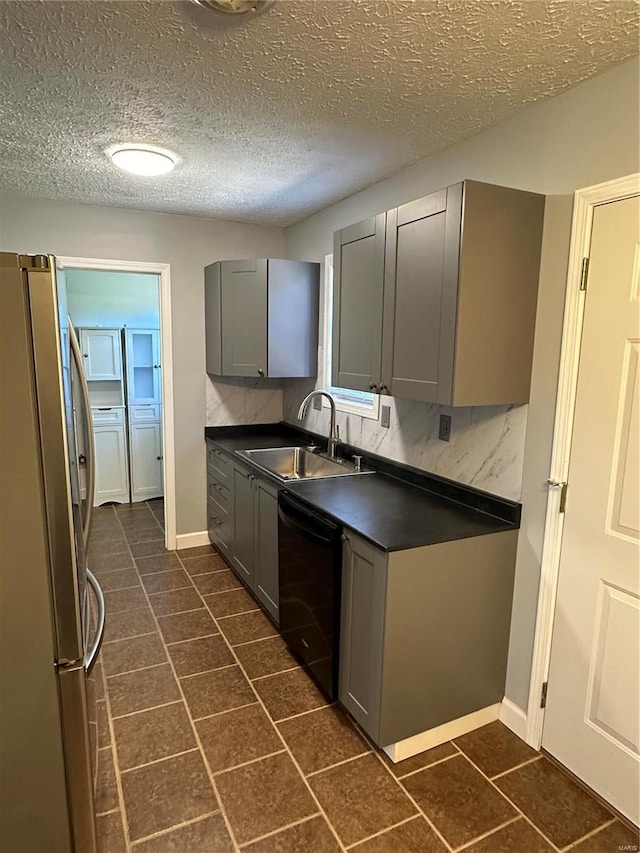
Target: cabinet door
243 523
112 480
244 318
265 581
102 351
358 270
361 631
143 365
146 460
421 281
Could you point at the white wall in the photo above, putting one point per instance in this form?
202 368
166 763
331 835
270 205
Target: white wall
583 137
103 298
186 243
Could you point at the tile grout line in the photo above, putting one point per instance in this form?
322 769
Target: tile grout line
411 798
192 722
302 713
152 708
517 767
426 767
190 639
248 642
125 639
338 764
279 672
162 832
114 754
228 711
511 803
158 760
487 834
356 844
589 835
205 671
267 835
279 735
247 763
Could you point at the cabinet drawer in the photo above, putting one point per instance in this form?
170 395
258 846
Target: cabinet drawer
219 463
218 492
144 413
103 415
219 526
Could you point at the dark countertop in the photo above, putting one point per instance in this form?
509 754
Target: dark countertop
396 508
394 515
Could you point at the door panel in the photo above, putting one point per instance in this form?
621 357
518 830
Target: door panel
357 306
266 546
244 317
101 350
112 480
592 722
243 523
146 460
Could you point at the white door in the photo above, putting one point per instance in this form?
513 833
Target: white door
592 720
112 478
146 461
101 349
143 365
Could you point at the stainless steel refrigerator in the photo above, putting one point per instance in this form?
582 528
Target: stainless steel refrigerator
51 606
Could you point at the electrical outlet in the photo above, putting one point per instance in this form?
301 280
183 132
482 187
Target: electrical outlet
444 432
385 418
317 404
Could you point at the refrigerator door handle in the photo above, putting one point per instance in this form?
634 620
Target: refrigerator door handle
90 452
92 652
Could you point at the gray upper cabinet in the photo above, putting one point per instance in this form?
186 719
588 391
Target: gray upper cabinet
261 318
358 271
460 278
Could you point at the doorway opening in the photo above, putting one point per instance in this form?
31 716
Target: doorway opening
120 313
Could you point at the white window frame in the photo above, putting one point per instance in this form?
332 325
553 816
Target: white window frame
369 404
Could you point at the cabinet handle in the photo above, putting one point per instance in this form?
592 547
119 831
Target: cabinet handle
158 458
260 372
85 354
373 387
157 366
384 389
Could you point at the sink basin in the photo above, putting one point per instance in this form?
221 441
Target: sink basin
296 463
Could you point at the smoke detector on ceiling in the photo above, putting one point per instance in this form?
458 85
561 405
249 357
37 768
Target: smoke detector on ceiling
234 7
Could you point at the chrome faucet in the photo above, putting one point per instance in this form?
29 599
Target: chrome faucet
334 429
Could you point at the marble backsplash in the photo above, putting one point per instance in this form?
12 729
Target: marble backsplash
242 401
486 449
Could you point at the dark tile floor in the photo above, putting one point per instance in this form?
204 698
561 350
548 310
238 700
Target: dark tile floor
212 739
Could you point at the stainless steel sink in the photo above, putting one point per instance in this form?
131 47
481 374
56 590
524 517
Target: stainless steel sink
296 463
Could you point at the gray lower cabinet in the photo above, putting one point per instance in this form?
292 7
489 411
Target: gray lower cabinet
243 524
261 318
424 632
435 300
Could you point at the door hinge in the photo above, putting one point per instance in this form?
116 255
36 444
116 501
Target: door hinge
563 486
584 274
543 696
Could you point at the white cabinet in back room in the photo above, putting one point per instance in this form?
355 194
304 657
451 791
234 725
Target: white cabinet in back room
102 354
146 460
112 478
142 350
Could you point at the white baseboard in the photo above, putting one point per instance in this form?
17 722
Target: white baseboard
514 718
192 540
440 734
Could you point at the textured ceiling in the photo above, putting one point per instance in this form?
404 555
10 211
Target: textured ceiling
276 115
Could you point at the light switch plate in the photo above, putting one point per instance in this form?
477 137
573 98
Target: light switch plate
385 418
317 404
444 432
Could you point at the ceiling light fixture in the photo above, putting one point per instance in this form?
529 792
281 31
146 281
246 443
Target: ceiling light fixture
234 7
146 160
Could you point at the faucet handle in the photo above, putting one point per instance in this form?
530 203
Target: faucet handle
357 462
337 432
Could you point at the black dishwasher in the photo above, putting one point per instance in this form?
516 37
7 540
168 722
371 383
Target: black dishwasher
310 558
